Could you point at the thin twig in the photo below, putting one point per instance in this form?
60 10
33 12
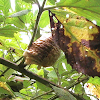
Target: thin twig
35 28
37 3
42 95
77 82
43 3
57 73
54 97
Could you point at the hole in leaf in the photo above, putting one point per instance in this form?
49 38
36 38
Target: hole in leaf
61 26
90 27
94 22
52 29
67 15
55 20
57 1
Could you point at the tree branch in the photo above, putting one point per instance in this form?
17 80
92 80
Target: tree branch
26 72
34 76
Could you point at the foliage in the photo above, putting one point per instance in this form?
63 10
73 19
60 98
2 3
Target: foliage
54 82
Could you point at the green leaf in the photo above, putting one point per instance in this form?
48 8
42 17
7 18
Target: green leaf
51 2
20 13
18 6
89 9
25 91
8 73
29 1
42 86
63 95
8 31
21 20
79 89
52 74
19 94
60 68
95 80
6 6
86 97
65 83
40 73
17 21
1 17
44 20
5 89
26 83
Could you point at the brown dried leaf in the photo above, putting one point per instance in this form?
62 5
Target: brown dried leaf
79 39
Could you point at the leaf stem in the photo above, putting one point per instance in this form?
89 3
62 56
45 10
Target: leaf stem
77 82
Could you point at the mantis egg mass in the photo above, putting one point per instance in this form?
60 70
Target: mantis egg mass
43 52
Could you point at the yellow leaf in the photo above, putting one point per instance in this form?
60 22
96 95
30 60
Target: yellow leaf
79 39
4 86
95 90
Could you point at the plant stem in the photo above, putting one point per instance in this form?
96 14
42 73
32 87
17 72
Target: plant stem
77 82
43 3
37 22
54 97
37 3
35 28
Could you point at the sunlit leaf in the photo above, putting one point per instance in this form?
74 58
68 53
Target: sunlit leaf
6 6
8 73
20 13
79 89
87 8
21 20
44 19
8 31
29 1
1 17
94 89
51 2
19 95
52 74
95 80
5 89
79 39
